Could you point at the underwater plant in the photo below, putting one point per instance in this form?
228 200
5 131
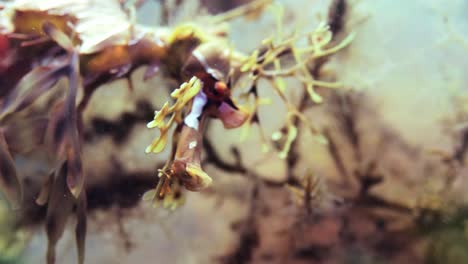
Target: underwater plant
53 50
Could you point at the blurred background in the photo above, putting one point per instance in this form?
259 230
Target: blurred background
389 187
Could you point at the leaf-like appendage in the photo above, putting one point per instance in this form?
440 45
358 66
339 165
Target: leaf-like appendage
232 117
58 36
59 208
55 132
113 23
81 225
44 194
32 86
61 138
75 177
10 185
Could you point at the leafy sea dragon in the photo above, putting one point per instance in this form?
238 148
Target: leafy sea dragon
43 41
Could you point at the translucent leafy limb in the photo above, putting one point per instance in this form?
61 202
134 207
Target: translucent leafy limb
266 63
183 95
253 119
